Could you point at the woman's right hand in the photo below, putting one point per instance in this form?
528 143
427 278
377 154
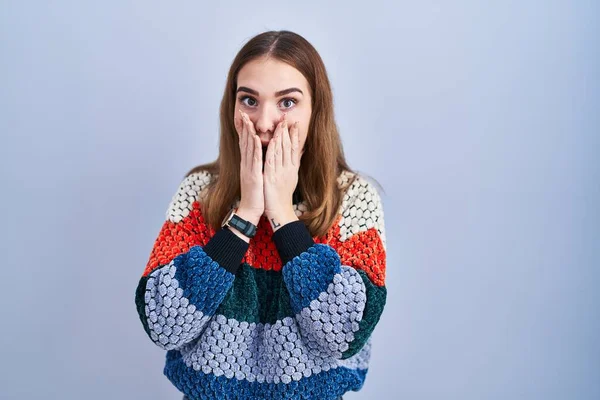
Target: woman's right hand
252 202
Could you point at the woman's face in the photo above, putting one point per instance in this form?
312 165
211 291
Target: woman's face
267 88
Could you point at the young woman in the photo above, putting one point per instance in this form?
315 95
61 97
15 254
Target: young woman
268 276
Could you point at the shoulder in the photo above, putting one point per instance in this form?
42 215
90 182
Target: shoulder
357 187
362 207
190 190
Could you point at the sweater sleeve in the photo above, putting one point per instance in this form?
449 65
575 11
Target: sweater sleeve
189 272
337 289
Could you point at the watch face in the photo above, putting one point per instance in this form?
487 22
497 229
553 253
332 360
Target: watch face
227 217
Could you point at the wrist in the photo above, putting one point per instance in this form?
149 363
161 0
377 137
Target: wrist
248 215
279 219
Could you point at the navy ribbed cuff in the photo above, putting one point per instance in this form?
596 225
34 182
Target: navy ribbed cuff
292 239
227 249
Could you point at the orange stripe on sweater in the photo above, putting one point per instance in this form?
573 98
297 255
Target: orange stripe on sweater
363 251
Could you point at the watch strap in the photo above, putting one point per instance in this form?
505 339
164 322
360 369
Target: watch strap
245 227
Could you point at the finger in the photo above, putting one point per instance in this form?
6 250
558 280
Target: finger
270 156
239 126
250 141
278 128
243 141
274 142
295 153
252 135
279 148
257 159
281 118
286 145
251 129
237 122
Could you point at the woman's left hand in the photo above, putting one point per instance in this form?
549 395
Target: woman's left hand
280 176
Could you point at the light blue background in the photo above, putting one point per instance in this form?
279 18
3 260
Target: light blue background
480 120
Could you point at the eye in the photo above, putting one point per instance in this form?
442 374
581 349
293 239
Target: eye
243 98
290 99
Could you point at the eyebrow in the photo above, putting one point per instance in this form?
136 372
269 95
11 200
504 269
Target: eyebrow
277 94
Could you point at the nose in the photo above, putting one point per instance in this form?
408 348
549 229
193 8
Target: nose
266 119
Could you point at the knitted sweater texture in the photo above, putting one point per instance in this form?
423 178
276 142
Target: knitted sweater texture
286 316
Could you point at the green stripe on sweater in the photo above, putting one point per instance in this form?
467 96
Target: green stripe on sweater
376 297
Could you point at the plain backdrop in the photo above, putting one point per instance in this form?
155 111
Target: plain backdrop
479 119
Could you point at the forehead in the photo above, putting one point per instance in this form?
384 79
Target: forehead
268 76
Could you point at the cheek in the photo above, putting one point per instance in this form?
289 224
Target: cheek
304 121
304 128
302 134
237 122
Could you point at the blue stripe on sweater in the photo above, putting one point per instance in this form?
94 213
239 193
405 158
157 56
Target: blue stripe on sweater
180 297
326 385
205 283
310 273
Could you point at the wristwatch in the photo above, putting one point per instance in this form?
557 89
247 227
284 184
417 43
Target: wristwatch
233 220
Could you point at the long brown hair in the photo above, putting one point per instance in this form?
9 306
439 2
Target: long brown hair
323 160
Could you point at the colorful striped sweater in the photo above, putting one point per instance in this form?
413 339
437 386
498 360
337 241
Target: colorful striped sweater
286 316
